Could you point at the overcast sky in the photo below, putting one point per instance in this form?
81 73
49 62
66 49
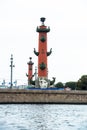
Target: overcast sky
68 37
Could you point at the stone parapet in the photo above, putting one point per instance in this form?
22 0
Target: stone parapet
42 96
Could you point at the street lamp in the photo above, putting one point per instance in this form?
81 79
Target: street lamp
11 70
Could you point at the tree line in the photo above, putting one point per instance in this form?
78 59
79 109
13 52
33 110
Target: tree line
81 84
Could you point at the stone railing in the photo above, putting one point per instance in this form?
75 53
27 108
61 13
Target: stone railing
42 96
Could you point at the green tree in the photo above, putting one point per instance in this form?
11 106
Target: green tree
71 85
82 83
59 85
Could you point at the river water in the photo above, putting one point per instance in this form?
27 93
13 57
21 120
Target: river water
43 117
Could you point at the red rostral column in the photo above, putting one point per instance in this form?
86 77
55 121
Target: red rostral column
42 49
30 70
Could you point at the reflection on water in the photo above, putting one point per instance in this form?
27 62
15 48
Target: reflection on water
43 117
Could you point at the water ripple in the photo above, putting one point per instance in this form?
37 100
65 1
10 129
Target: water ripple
43 117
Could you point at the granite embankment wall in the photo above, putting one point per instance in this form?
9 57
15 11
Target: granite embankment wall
42 96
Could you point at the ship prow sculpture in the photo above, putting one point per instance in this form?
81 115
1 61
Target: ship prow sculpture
41 80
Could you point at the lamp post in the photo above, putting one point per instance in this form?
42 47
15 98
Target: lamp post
11 70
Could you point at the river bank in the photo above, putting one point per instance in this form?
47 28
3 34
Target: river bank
13 96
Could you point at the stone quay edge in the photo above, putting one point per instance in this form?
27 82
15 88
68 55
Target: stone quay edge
23 96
